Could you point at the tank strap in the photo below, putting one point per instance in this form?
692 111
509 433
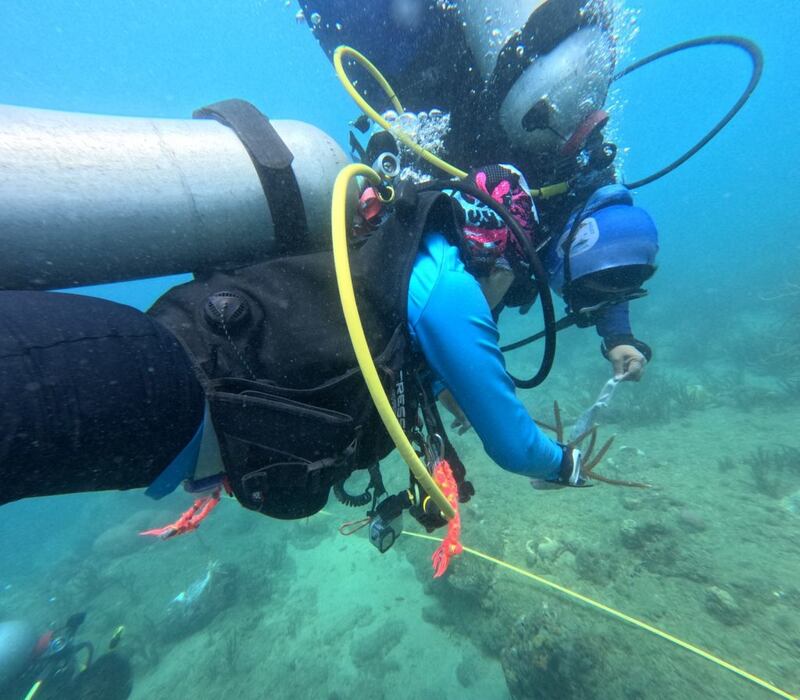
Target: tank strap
273 162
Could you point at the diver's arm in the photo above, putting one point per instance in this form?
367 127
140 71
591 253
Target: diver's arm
452 323
613 321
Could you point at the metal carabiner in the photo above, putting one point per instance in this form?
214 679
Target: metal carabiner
435 452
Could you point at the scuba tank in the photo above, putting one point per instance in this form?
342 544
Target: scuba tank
546 63
17 646
88 199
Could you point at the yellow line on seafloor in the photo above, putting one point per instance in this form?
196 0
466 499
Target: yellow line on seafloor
624 617
34 689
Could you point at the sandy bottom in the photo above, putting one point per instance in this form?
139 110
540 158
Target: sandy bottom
296 610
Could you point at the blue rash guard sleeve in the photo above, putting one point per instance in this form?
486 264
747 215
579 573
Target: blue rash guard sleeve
450 320
614 321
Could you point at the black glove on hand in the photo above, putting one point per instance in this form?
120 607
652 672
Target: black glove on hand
570 473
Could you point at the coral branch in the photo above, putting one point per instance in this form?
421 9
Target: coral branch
590 459
559 423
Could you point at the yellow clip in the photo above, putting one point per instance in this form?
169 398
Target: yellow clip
550 190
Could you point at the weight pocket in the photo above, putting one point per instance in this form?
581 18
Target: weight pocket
282 425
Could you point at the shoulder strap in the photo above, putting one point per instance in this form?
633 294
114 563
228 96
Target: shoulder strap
273 162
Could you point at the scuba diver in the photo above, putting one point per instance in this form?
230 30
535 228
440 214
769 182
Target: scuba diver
250 378
246 373
54 664
523 82
520 81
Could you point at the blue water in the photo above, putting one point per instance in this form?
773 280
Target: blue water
728 225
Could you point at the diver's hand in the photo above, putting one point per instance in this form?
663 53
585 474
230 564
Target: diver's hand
461 422
628 363
570 472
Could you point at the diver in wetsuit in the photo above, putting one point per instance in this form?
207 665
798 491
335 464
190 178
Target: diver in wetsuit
54 664
524 82
246 376
96 395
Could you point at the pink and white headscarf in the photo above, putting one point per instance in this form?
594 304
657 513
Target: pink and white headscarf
489 240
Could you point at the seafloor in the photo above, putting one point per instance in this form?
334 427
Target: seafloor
296 610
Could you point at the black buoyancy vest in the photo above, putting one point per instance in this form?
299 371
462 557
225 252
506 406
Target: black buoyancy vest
287 399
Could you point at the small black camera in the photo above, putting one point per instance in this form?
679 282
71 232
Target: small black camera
383 533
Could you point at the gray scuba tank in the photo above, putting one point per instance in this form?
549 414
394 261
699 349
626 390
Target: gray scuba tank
87 199
550 61
17 643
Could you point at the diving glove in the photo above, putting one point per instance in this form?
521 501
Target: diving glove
570 472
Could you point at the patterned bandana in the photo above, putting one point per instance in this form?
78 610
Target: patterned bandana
489 241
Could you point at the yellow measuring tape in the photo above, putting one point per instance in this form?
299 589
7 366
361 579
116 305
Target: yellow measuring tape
641 624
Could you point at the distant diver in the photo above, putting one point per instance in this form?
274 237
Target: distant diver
53 665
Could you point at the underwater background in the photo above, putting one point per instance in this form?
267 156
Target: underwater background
710 554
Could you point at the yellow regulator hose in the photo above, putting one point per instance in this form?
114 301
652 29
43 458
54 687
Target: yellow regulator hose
338 55
356 330
346 51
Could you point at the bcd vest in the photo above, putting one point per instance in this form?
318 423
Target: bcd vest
287 399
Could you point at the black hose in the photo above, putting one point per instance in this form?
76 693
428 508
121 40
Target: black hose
539 275
746 45
348 499
561 324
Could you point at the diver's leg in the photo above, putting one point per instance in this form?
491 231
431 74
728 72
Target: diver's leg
93 395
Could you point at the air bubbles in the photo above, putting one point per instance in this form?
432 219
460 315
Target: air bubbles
427 129
407 121
520 51
316 18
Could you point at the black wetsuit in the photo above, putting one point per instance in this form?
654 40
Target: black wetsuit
81 381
